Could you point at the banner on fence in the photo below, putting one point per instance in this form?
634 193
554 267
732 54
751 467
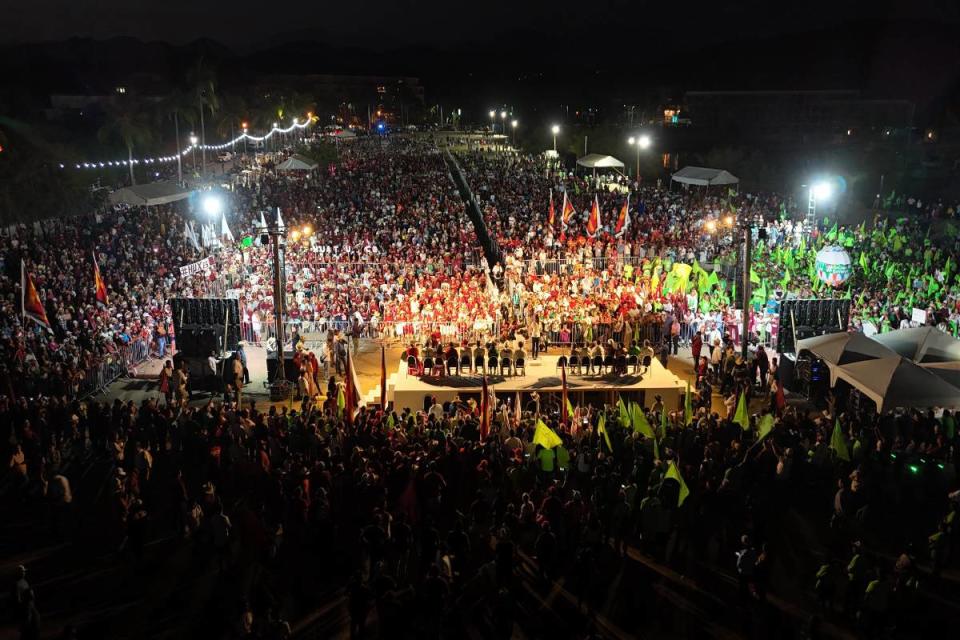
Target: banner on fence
205 265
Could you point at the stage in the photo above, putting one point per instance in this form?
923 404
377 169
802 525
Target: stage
543 377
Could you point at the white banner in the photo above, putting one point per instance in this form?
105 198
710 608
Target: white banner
232 294
205 265
919 316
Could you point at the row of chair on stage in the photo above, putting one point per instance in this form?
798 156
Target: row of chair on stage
609 363
465 363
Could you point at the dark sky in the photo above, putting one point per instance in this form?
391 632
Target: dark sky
380 24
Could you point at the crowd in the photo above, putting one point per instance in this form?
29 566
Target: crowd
418 517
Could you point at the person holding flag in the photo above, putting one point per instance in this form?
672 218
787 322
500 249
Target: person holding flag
99 288
551 213
566 213
30 305
593 222
623 219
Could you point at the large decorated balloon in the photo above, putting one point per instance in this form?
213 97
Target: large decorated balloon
833 265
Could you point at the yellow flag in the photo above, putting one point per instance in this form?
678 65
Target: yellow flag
602 428
673 472
545 437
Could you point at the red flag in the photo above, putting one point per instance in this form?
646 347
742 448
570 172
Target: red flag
566 212
593 222
623 220
383 377
565 416
30 305
349 392
551 217
99 288
484 411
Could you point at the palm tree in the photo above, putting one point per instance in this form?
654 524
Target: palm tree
233 113
202 82
178 104
130 124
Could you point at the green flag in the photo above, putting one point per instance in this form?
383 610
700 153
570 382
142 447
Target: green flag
247 242
663 423
545 437
785 280
341 401
764 426
390 421
602 429
864 262
838 443
674 472
741 417
656 450
687 408
569 408
754 278
624 415
639 420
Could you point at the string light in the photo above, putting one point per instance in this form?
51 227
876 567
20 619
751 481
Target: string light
208 147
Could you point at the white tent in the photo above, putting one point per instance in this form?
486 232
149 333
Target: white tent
923 345
844 348
896 382
703 177
297 162
150 194
597 161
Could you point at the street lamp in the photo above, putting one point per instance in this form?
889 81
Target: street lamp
513 139
244 138
493 121
555 129
640 142
193 150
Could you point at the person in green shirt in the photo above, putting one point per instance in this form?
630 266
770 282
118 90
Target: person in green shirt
547 460
563 459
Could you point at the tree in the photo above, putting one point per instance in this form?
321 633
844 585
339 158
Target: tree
203 88
129 123
178 104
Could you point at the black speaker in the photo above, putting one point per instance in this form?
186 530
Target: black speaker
206 324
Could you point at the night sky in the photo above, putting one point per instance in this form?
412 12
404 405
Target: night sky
377 24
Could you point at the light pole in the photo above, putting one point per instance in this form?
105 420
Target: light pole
493 121
640 142
513 140
821 190
244 138
555 129
274 132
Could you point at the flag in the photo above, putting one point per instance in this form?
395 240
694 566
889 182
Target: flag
623 220
764 426
484 411
390 421
99 288
191 235
517 409
838 443
864 262
383 377
663 423
687 408
639 420
741 417
674 472
225 230
30 304
624 414
566 414
551 215
341 400
263 223
279 220
566 212
656 450
350 391
545 437
602 429
593 222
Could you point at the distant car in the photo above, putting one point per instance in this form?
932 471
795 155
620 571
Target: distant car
224 156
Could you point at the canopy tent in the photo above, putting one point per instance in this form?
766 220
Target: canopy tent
946 371
150 194
922 344
597 161
296 162
844 348
703 177
896 382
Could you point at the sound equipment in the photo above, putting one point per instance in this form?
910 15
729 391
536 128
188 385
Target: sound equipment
289 369
810 318
204 325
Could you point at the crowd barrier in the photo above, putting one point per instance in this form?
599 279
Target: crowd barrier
377 330
599 263
114 365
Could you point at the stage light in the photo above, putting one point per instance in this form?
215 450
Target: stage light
307 230
212 205
822 190
711 226
728 221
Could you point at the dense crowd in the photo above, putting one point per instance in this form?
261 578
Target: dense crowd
415 515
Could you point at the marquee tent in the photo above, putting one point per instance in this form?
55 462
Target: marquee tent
597 161
150 194
922 344
844 348
703 177
297 162
896 382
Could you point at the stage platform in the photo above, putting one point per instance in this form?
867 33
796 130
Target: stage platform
542 376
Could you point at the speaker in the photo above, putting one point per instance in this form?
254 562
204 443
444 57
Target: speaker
203 325
289 368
